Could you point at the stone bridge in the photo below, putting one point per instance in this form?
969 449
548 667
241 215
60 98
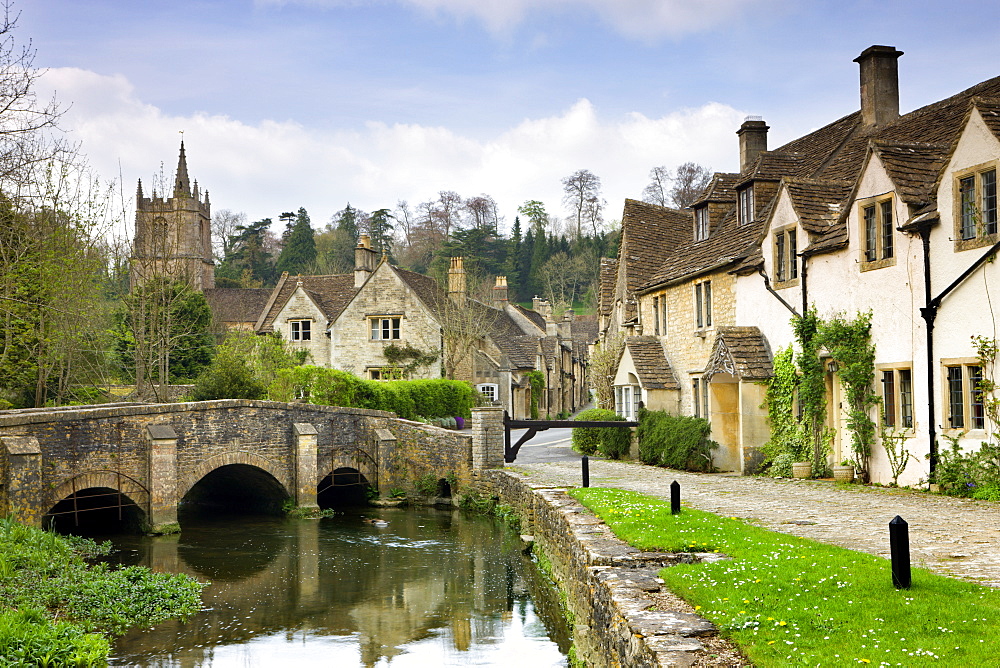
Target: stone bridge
151 456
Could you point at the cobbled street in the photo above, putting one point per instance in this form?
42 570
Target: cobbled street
955 537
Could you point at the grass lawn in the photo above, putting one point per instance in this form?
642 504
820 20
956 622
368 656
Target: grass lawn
790 601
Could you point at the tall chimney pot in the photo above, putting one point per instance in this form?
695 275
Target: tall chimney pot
753 140
879 85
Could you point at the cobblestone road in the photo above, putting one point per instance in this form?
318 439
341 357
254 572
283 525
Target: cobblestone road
955 537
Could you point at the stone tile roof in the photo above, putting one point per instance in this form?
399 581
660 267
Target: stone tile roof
533 316
608 276
741 351
522 351
913 168
237 305
332 293
989 109
727 243
585 331
722 188
772 166
647 231
651 363
817 203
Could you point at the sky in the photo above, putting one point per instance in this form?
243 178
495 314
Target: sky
317 103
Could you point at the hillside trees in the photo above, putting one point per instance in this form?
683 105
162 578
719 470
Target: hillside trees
299 252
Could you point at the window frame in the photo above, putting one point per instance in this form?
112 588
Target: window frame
627 400
492 396
979 197
785 256
877 230
703 305
391 325
745 209
963 405
300 329
896 381
701 223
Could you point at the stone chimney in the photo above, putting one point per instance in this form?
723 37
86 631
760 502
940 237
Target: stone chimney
566 326
753 140
500 292
879 85
456 280
365 260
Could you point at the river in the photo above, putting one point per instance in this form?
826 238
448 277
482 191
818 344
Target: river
431 588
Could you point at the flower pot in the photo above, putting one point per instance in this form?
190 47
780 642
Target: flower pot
802 469
843 473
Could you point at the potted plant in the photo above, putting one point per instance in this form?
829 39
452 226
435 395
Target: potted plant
802 469
844 472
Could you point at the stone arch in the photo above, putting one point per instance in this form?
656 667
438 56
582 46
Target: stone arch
362 464
109 479
188 479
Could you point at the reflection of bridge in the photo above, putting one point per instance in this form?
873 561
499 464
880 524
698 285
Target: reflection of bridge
151 456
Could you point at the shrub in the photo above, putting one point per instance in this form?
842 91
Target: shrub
675 441
611 442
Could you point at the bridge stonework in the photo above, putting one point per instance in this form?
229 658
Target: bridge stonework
155 453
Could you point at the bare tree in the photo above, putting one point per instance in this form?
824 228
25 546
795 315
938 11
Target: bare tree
483 213
582 197
404 216
657 191
690 180
224 224
603 364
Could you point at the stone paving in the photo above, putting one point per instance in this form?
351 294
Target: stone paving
954 537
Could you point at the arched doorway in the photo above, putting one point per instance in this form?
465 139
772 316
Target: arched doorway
95 511
235 489
344 487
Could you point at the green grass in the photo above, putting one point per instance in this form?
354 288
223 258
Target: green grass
790 601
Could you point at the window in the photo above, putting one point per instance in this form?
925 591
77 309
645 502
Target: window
703 304
786 264
877 230
386 373
489 390
701 223
627 398
746 212
699 398
663 314
965 406
977 205
384 329
656 316
897 398
300 330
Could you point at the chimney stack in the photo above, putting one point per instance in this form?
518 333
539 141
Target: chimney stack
365 260
879 85
753 140
500 292
456 280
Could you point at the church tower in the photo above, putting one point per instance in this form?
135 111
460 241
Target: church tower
173 233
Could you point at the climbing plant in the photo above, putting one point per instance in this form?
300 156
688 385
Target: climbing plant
812 388
786 444
406 359
849 343
537 380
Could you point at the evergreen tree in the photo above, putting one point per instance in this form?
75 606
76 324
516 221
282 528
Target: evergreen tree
249 260
511 266
381 229
299 252
539 254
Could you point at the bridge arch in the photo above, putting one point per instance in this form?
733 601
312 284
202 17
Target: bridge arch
105 500
190 478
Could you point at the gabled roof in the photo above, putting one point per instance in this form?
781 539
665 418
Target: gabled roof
330 293
522 351
913 168
722 188
607 279
651 363
818 204
535 317
727 243
742 352
772 166
989 109
647 230
231 305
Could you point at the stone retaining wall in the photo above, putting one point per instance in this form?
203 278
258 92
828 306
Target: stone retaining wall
606 580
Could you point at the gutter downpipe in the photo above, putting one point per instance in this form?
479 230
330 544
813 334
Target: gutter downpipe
767 286
805 284
929 314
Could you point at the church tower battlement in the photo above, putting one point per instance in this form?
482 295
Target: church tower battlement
173 235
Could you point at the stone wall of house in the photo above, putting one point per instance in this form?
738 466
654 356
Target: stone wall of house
384 294
605 580
299 307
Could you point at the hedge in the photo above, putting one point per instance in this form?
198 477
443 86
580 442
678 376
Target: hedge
675 441
409 399
611 442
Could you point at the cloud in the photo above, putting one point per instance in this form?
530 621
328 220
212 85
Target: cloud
271 166
643 19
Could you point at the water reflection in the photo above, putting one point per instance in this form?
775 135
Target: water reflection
431 588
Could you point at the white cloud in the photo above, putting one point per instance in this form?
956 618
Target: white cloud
645 19
274 166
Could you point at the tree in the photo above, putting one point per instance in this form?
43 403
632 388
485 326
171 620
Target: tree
690 180
483 214
380 230
465 323
582 197
299 252
335 246
249 260
657 192
534 211
224 224
603 364
245 367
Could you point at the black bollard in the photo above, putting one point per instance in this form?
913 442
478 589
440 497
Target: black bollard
675 498
585 463
899 547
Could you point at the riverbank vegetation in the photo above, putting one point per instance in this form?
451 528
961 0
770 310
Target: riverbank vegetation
57 610
790 601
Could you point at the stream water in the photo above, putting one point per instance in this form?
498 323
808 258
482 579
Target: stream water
432 588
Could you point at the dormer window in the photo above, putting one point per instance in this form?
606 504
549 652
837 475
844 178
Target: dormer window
877 223
701 223
746 212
